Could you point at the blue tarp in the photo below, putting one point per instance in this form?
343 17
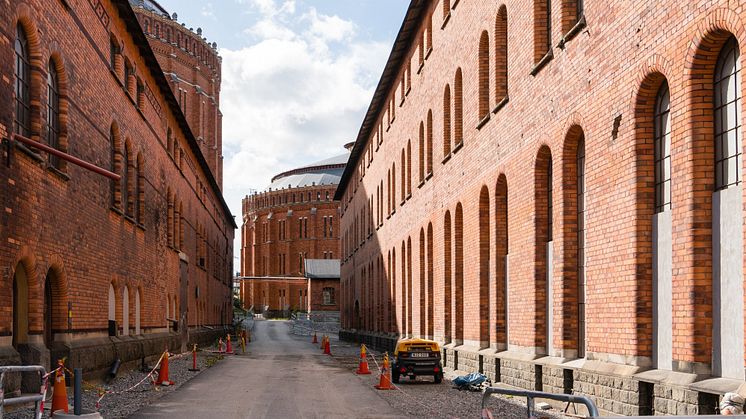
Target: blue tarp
466 381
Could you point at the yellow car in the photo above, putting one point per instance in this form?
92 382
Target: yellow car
414 357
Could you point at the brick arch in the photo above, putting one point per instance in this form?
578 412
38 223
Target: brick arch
484 267
570 293
447 277
643 108
430 285
57 62
501 55
24 266
713 31
446 120
58 282
459 274
542 235
422 275
484 75
501 248
26 18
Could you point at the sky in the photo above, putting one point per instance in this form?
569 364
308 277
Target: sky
298 76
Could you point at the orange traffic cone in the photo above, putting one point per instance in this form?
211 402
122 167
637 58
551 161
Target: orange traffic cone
314 338
323 342
384 382
59 399
163 372
327 348
362 367
220 345
228 346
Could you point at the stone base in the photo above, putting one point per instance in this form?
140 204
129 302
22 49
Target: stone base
95 355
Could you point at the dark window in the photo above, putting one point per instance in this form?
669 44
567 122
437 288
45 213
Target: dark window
53 112
125 181
662 150
23 102
728 116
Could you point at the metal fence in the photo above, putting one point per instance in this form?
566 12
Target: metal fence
36 398
531 396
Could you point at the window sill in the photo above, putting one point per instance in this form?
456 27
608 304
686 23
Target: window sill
403 201
428 52
453 6
483 121
579 25
457 147
409 89
446 158
116 210
393 211
130 219
421 184
445 20
59 173
29 152
542 63
429 176
387 130
409 196
401 102
420 67
141 226
501 104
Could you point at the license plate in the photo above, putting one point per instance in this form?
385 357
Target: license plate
420 355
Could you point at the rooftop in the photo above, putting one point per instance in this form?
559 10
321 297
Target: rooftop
323 172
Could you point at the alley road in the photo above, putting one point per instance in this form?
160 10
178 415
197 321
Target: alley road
283 376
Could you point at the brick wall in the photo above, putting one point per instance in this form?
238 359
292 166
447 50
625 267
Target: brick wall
70 225
594 89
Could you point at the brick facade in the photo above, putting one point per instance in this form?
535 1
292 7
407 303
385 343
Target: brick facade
284 226
193 68
504 159
71 237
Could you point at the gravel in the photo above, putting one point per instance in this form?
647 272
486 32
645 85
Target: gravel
422 398
124 404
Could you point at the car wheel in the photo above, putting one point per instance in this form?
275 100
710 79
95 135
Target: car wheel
395 377
438 378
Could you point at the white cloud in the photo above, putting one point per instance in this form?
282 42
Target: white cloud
295 95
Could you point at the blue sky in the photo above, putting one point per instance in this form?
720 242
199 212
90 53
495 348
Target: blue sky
298 76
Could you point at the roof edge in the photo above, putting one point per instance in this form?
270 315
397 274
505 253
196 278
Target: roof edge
404 39
135 30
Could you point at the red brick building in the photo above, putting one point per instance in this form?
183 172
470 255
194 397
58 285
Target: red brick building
295 219
97 268
553 190
193 68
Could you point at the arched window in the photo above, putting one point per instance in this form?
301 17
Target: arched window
458 110
484 76
422 302
53 112
727 88
429 142
22 122
484 267
459 274
393 187
409 168
125 181
422 152
112 310
501 56
125 311
580 162
446 121
501 231
430 285
544 247
447 278
727 217
662 149
409 287
542 30
446 9
140 190
137 312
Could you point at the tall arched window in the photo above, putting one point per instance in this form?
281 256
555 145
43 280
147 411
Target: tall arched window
423 324
53 112
409 168
581 246
125 187
112 311
22 122
501 240
393 188
125 311
501 56
484 75
403 175
446 9
542 30
458 110
447 278
544 246
429 142
446 121
422 152
727 217
404 316
662 150
409 285
140 190
459 274
484 267
727 117
430 285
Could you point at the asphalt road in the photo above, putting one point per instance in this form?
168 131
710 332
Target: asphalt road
283 376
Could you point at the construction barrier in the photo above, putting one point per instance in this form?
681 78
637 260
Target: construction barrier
59 395
362 367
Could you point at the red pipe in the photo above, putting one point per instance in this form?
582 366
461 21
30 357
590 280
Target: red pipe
64 156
